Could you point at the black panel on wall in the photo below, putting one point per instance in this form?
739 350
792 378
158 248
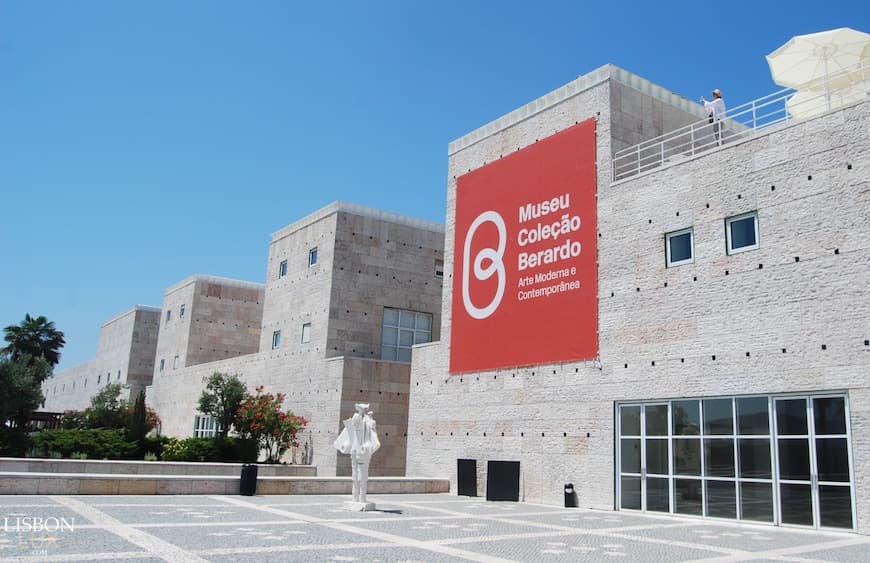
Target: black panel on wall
467 472
503 480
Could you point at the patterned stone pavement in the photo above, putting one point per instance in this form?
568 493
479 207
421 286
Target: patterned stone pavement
406 528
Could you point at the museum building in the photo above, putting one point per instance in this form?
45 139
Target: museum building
349 291
667 314
669 317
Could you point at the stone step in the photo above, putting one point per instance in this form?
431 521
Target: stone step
105 466
35 483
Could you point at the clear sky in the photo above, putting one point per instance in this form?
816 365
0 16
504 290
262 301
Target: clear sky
143 141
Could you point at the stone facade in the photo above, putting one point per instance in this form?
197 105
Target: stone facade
125 354
320 341
207 318
787 318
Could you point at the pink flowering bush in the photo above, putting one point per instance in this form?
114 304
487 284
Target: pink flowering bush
261 419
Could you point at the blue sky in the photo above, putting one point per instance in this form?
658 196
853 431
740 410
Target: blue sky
143 142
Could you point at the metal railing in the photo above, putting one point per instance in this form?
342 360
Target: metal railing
748 120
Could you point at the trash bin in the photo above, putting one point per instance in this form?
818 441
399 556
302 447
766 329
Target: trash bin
248 484
570 496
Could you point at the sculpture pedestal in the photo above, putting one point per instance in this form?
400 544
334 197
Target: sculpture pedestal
359 506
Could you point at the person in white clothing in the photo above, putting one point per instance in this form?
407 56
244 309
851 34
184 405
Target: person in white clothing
359 438
716 111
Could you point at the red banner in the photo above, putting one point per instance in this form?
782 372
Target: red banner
525 280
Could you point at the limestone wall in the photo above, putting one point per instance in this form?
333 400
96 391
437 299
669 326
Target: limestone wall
754 322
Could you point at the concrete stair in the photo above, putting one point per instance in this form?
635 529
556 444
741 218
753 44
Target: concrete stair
20 476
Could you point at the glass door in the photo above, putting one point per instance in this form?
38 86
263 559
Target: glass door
813 462
644 457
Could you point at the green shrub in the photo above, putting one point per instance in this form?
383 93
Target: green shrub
78 455
189 449
95 444
15 444
151 444
237 450
150 456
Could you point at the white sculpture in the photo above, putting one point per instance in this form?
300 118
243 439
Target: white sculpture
359 438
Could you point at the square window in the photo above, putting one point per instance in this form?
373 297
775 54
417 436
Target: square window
306 332
439 268
276 339
401 330
181 312
312 257
680 247
282 269
741 232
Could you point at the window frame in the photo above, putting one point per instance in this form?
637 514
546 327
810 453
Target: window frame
276 339
312 257
282 269
181 311
729 248
306 333
668 236
397 348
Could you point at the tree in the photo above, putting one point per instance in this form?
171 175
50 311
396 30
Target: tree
36 337
20 395
107 408
137 425
261 418
221 399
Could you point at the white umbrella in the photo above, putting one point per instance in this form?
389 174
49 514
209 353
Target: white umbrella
810 103
822 61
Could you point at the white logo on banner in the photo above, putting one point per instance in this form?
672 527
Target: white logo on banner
495 256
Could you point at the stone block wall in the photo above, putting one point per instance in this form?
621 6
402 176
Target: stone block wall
786 318
66 390
384 386
225 320
380 263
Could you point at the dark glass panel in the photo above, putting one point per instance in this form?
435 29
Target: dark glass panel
687 418
718 417
830 415
752 418
832 459
630 492
657 495
754 458
796 504
687 497
794 459
743 233
629 421
719 457
656 420
657 456
721 499
756 501
687 457
835 506
681 247
791 417
630 462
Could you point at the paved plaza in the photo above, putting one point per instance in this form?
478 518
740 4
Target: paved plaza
409 528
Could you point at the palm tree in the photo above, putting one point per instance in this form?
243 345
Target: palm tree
35 337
